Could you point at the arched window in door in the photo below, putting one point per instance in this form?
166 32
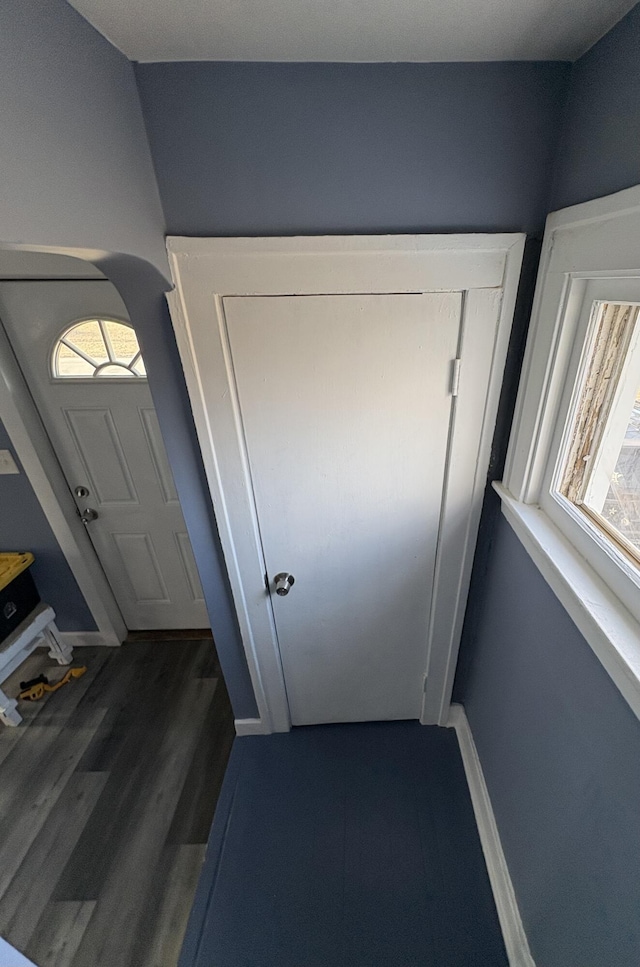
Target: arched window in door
98 348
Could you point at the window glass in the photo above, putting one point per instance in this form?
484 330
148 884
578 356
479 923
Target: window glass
621 506
122 339
69 363
601 472
98 348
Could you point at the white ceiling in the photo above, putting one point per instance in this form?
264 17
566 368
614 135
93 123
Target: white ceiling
353 30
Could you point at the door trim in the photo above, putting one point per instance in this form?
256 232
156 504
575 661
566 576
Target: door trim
40 465
206 270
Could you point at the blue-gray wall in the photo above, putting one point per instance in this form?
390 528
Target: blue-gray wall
251 149
23 527
269 149
559 746
75 163
77 178
76 172
560 749
600 146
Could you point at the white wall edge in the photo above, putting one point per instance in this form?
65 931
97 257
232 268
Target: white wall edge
610 630
515 938
251 727
89 639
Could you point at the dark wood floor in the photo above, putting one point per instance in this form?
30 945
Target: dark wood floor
345 846
107 793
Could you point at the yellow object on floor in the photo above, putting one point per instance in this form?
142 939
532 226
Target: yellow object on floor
11 565
37 691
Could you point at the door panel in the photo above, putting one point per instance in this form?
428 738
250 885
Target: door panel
106 435
345 407
156 446
140 564
104 464
190 567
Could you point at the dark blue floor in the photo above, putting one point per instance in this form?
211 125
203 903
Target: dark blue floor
345 846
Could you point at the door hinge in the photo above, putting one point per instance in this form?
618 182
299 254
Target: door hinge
455 376
424 683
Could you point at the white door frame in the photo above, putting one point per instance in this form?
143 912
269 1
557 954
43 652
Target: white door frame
206 270
40 464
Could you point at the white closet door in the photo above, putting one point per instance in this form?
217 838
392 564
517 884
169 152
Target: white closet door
345 406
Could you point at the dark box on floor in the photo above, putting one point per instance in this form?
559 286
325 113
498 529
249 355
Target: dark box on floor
18 597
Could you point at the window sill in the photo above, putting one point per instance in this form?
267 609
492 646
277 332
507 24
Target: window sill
611 631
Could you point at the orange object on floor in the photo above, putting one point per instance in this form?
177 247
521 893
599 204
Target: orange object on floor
37 691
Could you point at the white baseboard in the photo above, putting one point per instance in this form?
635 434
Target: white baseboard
250 727
515 939
89 639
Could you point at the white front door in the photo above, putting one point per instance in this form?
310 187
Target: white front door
105 432
345 405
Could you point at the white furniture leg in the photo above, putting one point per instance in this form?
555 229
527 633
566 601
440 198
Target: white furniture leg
38 628
58 650
9 710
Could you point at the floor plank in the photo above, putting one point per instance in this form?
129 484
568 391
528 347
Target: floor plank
92 784
139 735
39 662
33 801
159 943
59 932
194 812
30 890
121 895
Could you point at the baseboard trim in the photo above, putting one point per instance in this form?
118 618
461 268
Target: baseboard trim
250 727
89 639
515 939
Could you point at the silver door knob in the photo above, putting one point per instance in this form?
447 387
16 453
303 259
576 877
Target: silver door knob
88 514
283 583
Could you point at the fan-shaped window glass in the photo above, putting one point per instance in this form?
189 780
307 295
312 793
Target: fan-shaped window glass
98 347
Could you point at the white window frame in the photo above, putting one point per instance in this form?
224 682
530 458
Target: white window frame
591 252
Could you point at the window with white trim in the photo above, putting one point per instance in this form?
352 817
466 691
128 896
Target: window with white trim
571 488
102 348
588 405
